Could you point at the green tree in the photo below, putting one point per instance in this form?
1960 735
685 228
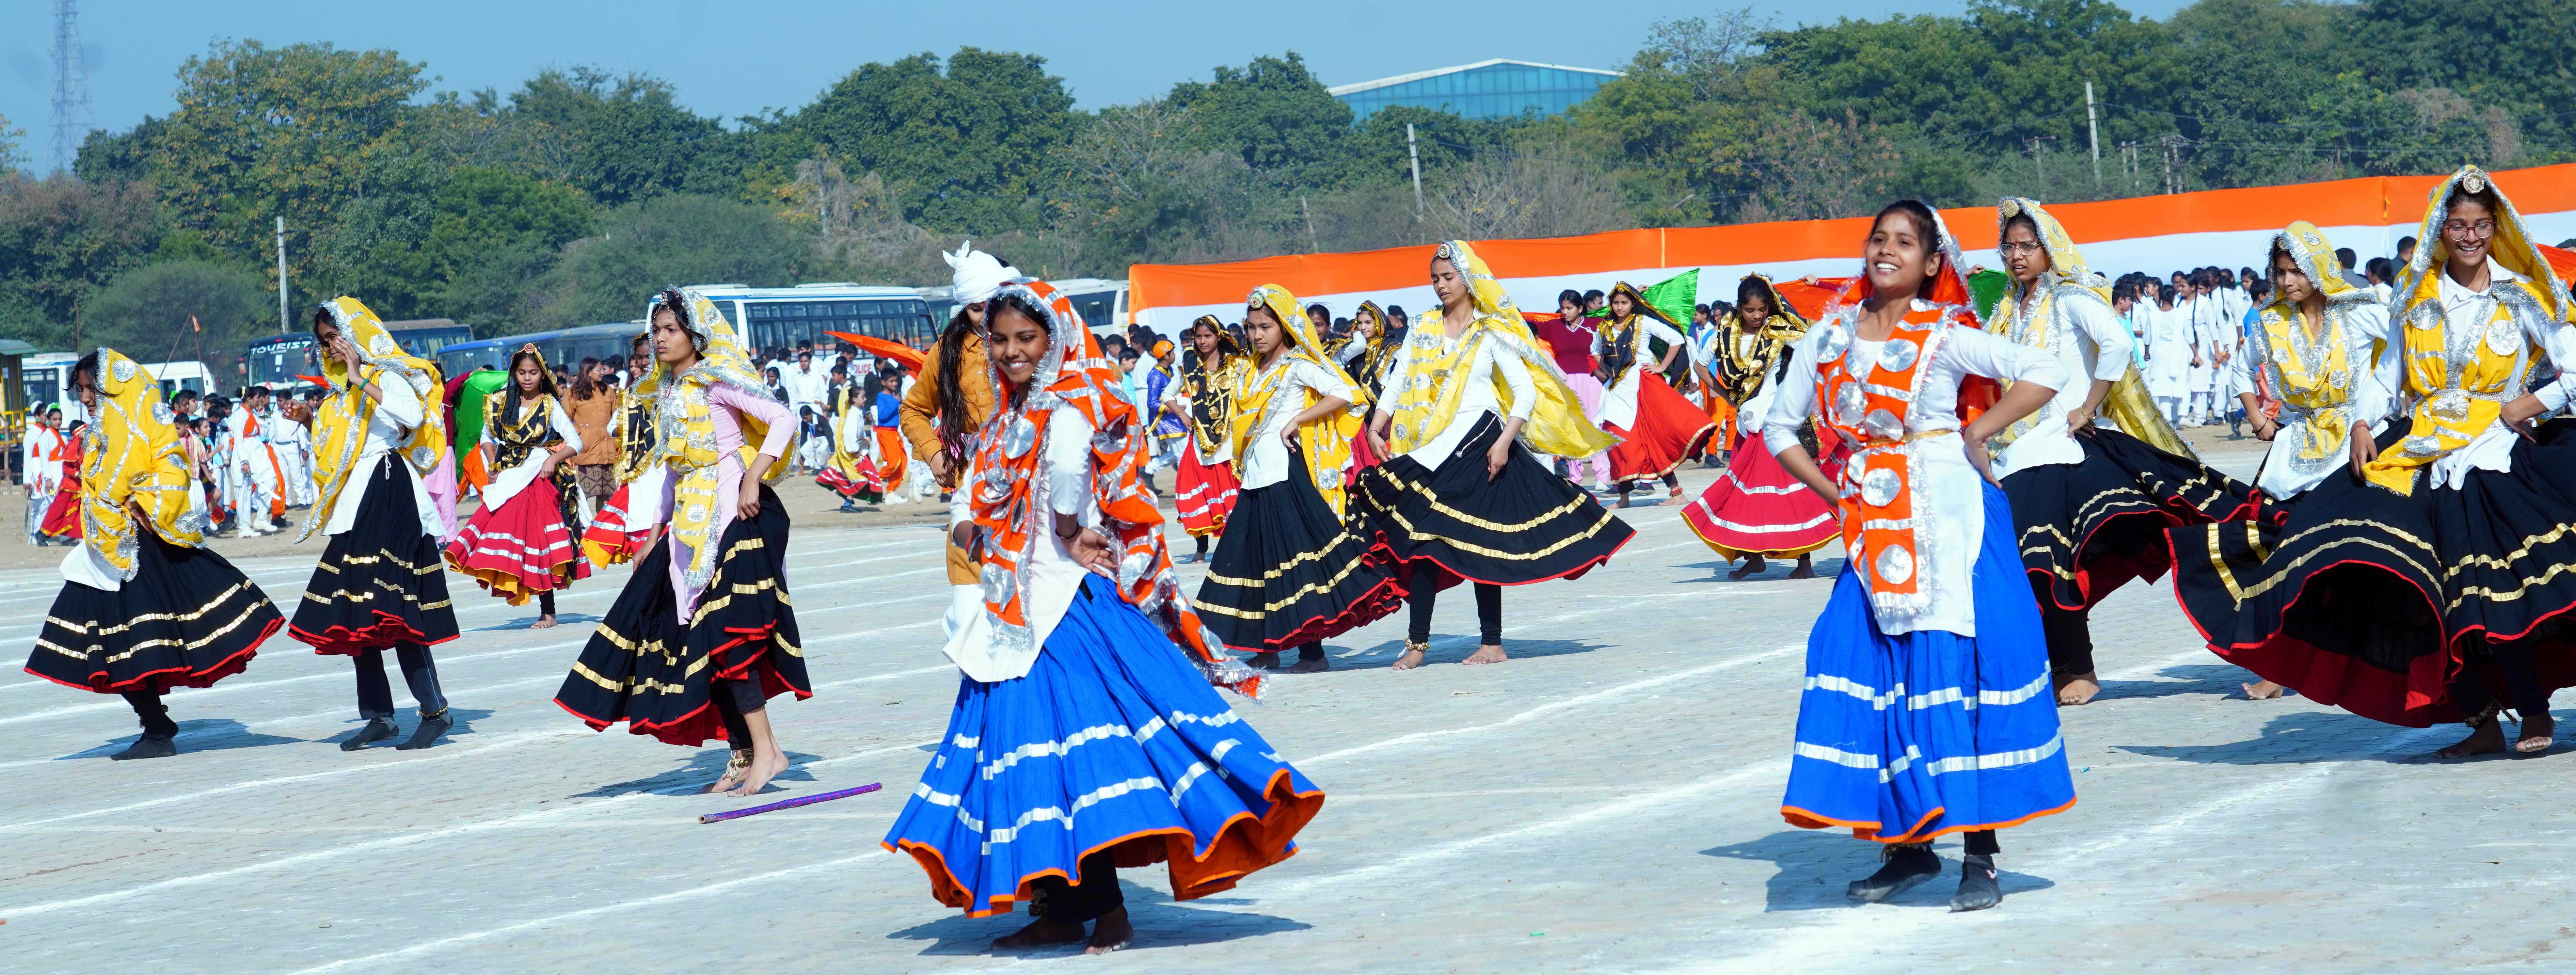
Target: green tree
673 239
292 131
964 149
1275 115
146 312
620 139
61 239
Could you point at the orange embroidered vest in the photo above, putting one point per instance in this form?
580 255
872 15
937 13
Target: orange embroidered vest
1868 404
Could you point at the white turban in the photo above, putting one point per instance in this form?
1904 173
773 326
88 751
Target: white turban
977 275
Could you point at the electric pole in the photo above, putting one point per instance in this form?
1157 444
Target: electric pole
73 117
1415 154
2093 133
2038 174
285 321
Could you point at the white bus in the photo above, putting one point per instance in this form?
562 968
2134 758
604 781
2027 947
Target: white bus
771 318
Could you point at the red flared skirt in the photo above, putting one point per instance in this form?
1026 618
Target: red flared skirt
519 549
63 516
1205 494
1669 429
609 539
1756 508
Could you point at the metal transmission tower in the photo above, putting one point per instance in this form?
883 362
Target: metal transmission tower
73 116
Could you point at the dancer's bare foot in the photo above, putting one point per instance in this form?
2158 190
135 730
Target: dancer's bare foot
2488 737
735 766
1039 932
1491 653
546 622
2261 690
1806 568
2537 733
1412 656
763 768
2078 689
1110 933
1753 565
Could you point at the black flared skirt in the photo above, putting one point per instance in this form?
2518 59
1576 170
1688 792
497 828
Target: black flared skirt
2088 528
1452 523
1287 571
643 667
382 582
2374 601
186 619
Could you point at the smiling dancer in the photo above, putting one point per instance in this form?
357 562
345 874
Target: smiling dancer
1924 711
1288 574
143 608
380 582
1205 490
2313 346
2422 592
703 635
1756 509
524 540
1086 734
2093 503
1459 496
1658 428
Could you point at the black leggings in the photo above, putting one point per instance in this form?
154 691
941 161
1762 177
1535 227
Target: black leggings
1489 613
155 714
2475 695
1981 843
546 602
733 699
2070 638
1072 903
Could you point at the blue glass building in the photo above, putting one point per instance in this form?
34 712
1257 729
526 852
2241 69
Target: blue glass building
1484 90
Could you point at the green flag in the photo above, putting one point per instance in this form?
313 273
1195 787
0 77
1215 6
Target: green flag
1988 287
1676 297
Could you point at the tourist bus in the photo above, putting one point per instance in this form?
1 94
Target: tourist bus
278 360
1102 304
562 347
774 318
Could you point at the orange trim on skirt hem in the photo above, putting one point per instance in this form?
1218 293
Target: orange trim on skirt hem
1805 819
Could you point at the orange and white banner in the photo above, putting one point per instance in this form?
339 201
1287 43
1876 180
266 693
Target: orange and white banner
2154 234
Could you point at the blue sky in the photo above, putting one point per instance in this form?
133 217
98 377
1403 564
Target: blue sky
735 58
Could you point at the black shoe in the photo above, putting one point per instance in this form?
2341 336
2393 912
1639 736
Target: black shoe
1263 661
148 747
1906 865
1977 887
1315 666
430 728
377 729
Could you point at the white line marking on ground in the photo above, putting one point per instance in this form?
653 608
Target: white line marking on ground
1552 707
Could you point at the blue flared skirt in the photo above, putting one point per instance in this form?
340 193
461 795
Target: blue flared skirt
1113 741
1904 738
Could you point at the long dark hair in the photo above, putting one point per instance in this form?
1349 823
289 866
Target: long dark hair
85 371
582 385
545 385
955 425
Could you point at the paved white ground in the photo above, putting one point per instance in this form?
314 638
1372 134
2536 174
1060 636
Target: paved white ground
1607 801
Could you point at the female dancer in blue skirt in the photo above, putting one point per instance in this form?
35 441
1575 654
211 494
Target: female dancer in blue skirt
1087 736
1926 708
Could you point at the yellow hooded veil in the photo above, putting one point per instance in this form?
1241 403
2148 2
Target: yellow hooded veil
2458 389
684 421
2322 398
1425 402
2029 322
1326 442
130 459
340 427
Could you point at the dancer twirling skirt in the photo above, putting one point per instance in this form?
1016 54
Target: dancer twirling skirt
1087 735
703 636
1925 710
2313 346
1459 496
2426 591
143 607
1756 510
2093 503
1289 574
524 540
1206 489
1657 427
379 583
